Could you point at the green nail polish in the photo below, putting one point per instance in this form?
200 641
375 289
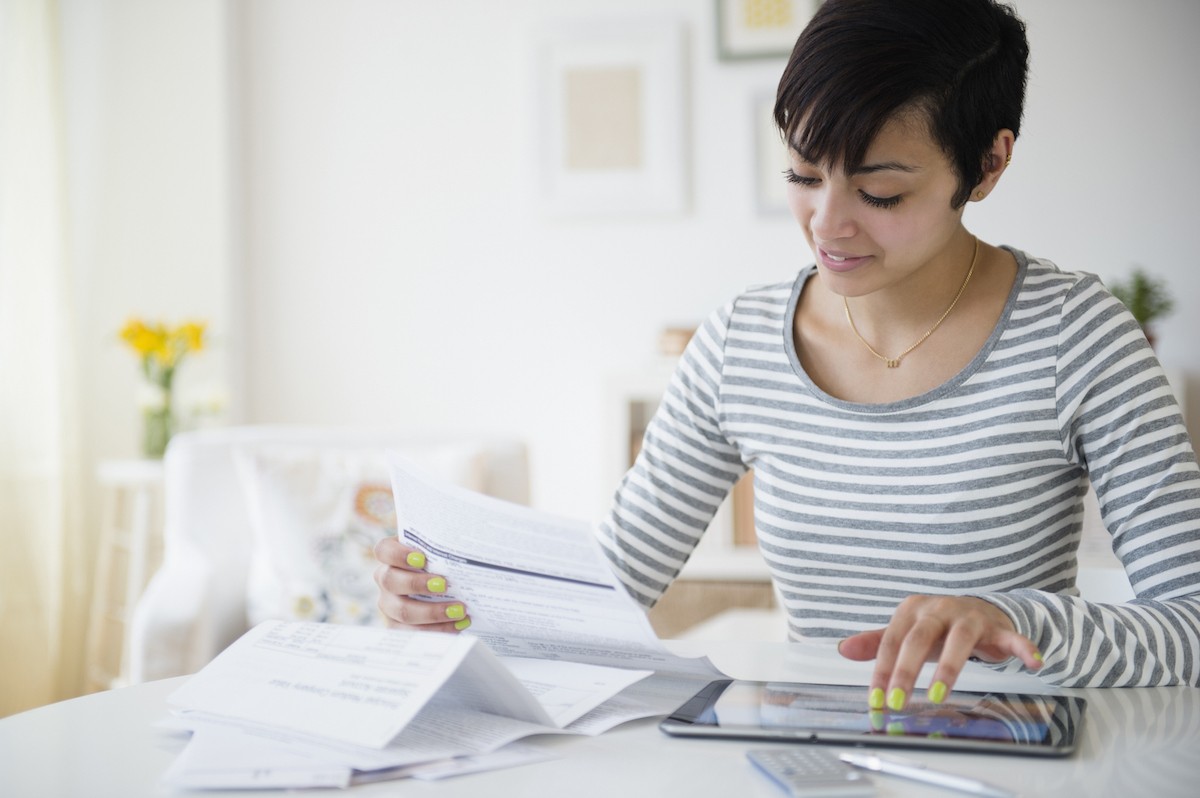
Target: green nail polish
436 585
1037 655
876 717
895 727
455 611
937 692
896 700
415 559
463 624
875 699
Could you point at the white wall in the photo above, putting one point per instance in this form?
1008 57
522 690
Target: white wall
397 274
148 143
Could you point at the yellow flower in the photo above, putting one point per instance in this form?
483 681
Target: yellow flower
192 334
160 346
143 339
165 351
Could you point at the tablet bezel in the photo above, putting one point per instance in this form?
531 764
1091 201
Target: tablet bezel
683 723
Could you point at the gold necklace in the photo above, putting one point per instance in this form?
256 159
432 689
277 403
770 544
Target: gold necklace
893 362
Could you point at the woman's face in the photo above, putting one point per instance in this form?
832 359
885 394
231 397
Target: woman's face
875 228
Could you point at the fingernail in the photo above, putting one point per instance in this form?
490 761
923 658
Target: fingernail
895 727
876 717
839 645
875 698
455 611
416 559
1037 655
463 624
896 699
436 585
937 692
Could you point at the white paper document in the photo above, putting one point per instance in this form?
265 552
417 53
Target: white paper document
535 585
556 646
351 684
569 690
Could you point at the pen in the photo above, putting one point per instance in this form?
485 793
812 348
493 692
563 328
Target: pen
917 772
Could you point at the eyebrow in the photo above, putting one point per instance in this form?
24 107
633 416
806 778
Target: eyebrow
885 166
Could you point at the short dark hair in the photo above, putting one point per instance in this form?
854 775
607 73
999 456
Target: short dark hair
964 63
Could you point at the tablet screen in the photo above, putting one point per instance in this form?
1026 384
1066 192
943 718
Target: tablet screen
838 714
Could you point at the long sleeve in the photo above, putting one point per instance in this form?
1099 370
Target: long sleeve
1119 420
684 471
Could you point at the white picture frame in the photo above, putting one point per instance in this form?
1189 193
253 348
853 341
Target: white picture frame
770 158
610 117
748 29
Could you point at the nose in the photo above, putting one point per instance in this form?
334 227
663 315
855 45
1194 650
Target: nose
833 216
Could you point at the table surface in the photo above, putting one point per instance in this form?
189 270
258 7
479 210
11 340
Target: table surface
1143 741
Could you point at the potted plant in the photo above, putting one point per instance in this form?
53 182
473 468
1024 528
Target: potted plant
1146 297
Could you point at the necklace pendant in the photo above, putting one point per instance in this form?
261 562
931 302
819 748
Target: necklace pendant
892 362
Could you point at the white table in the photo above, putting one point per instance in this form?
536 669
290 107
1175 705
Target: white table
1136 742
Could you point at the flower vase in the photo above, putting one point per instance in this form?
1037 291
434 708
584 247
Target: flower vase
158 418
161 349
157 428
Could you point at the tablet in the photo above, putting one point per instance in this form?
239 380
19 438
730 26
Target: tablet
981 722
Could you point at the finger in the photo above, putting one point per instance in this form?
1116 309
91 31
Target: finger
861 647
1007 644
410 612
390 551
923 639
958 646
889 650
409 583
453 627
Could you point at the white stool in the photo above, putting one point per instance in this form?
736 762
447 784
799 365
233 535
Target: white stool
131 530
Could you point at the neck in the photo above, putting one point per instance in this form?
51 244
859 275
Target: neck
892 317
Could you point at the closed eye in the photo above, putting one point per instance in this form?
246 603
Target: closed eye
870 199
880 202
792 177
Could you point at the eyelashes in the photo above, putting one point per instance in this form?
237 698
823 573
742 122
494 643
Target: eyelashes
792 177
879 202
875 202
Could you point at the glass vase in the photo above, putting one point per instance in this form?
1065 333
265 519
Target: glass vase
158 427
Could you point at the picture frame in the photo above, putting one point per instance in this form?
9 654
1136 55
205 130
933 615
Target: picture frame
770 158
611 99
752 29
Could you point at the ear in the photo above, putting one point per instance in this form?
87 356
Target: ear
995 161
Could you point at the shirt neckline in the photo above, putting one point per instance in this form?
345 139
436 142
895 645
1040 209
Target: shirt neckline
945 389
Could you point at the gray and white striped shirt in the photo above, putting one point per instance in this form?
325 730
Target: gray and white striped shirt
974 488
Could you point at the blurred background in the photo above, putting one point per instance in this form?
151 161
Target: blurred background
353 195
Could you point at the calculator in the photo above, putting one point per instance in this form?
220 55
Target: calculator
805 772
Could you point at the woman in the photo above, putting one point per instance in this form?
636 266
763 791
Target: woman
923 411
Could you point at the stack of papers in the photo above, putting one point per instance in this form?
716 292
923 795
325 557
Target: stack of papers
556 646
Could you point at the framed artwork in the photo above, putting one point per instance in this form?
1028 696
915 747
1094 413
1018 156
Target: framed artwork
770 158
760 28
610 126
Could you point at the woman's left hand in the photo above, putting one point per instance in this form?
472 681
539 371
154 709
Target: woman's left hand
942 629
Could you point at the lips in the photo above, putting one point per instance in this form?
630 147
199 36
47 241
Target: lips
839 261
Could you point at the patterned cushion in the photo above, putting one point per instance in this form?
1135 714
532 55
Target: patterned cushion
316 514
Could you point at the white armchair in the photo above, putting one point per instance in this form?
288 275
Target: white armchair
195 605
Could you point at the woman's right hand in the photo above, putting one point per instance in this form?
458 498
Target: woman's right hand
401 575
